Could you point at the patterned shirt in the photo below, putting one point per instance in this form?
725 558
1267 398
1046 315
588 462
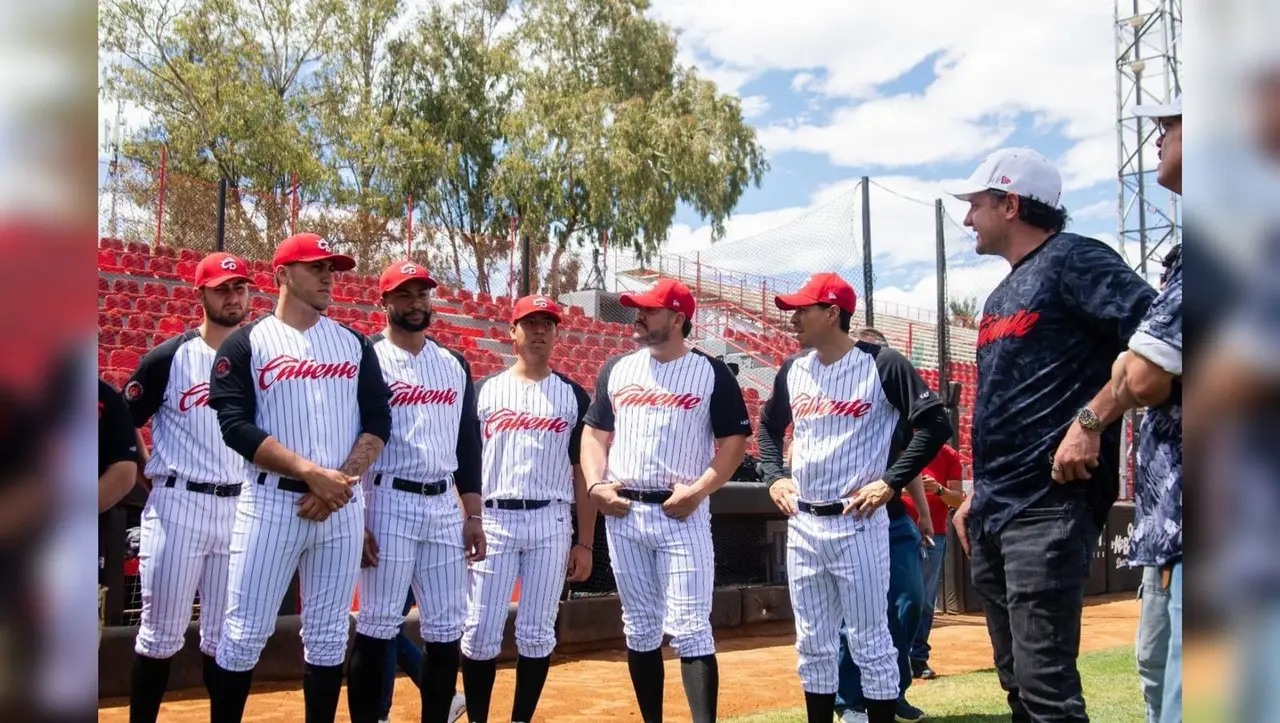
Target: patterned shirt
1157 529
1050 332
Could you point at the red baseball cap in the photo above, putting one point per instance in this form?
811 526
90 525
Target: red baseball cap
824 288
535 304
219 268
665 294
307 247
402 272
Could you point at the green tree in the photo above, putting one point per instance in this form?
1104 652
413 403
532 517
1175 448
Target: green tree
611 133
964 310
457 74
228 84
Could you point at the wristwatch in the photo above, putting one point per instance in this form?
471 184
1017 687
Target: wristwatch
1089 420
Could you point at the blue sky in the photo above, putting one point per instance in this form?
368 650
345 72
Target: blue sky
910 94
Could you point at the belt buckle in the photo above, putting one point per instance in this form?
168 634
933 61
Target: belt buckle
221 489
424 490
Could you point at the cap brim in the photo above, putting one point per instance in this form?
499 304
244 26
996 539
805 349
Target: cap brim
791 302
341 262
640 301
963 189
1166 110
222 279
527 314
431 283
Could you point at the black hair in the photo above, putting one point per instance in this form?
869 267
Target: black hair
1037 213
846 317
686 328
874 333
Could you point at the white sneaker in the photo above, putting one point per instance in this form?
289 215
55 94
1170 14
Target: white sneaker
853 716
457 709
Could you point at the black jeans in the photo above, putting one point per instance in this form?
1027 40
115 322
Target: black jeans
1030 577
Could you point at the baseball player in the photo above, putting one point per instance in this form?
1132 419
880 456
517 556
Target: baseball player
679 429
854 406
302 398
415 534
531 419
196 479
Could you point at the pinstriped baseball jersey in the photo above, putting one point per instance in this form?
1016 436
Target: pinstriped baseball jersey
171 388
428 391
532 434
851 418
314 391
665 416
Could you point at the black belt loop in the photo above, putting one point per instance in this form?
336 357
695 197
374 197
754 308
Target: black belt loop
821 509
171 481
655 497
517 504
377 479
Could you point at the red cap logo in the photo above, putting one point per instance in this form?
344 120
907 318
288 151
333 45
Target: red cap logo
217 269
535 305
401 272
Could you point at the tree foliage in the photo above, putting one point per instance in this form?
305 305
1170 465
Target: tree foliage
571 117
964 311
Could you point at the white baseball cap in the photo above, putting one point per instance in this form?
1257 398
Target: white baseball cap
1020 171
1164 110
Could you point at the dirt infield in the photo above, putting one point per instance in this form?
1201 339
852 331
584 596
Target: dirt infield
757 673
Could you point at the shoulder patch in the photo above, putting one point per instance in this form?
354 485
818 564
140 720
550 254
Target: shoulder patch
133 390
222 367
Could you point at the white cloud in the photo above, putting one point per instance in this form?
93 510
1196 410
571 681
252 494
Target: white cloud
755 105
1052 59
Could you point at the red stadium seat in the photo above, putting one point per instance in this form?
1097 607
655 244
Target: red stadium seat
117 302
190 255
141 321
184 293
124 359
262 303
170 327
135 339
108 261
378 319
186 271
178 308
111 243
133 264
156 289
107 335
115 378
148 305
137 247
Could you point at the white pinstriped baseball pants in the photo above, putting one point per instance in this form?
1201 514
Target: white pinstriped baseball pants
532 545
420 545
665 570
185 545
268 542
838 568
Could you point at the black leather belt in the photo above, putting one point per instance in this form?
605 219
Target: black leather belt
288 484
655 497
207 488
517 504
438 487
821 509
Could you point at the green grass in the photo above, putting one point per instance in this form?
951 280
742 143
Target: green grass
1110 681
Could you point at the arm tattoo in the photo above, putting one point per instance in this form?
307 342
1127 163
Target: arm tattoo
366 450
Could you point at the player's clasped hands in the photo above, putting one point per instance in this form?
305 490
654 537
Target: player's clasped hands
607 499
683 501
784 494
868 499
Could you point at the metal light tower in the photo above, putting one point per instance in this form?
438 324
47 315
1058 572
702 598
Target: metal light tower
1148 37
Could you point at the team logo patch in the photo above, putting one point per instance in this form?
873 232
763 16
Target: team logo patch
541 303
229 264
133 390
408 269
222 367
322 245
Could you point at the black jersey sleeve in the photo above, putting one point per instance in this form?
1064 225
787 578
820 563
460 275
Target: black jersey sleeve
775 417
372 393
600 413
117 441
470 462
1100 286
729 417
232 395
144 392
575 438
922 418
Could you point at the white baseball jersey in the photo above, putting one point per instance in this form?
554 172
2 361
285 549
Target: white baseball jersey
665 416
314 391
170 387
851 418
532 434
432 415
184 546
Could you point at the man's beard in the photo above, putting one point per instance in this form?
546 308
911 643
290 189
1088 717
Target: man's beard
401 322
228 320
653 337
